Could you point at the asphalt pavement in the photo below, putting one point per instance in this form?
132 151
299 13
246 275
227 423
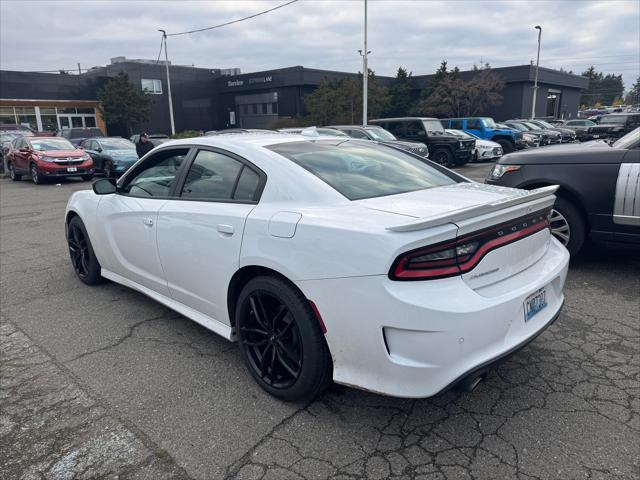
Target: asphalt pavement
102 382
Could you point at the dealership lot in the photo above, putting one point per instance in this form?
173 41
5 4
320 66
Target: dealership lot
103 380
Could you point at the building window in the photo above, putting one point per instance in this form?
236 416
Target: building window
153 86
264 108
274 107
7 116
27 116
255 108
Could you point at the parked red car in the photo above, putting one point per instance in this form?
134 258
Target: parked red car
47 157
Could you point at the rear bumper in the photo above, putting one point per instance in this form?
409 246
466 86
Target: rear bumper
416 339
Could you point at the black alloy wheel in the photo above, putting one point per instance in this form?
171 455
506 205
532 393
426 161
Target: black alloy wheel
567 225
281 341
81 252
443 156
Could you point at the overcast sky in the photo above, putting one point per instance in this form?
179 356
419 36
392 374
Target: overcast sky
325 34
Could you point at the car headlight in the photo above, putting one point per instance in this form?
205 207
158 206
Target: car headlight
529 138
44 158
461 144
85 157
499 170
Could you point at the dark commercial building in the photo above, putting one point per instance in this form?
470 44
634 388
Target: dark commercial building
212 99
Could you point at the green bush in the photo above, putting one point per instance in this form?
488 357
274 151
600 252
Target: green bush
186 134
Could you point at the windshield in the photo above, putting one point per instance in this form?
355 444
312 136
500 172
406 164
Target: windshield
544 124
489 123
83 133
519 127
433 127
381 134
359 170
531 126
46 144
116 144
630 140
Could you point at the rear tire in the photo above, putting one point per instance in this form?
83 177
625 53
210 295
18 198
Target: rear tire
12 173
280 340
568 225
83 258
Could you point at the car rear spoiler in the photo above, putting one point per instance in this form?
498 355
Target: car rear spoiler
475 211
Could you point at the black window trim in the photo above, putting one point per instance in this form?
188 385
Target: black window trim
182 177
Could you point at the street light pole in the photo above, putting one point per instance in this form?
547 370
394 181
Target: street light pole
365 70
166 64
535 83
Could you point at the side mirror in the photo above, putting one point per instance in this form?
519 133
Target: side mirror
105 186
99 149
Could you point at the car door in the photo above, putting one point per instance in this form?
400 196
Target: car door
200 231
21 155
91 147
626 208
127 219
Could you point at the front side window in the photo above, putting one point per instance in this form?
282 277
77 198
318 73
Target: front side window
396 128
358 134
360 170
214 176
156 175
455 124
474 124
150 85
415 129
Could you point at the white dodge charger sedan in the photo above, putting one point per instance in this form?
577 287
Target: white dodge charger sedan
328 258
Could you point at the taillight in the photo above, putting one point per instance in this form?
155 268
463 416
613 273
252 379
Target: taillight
454 257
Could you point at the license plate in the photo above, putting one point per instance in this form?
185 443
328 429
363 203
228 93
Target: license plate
72 169
535 303
596 136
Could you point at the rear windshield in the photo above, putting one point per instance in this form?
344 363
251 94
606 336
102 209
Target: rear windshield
46 144
361 171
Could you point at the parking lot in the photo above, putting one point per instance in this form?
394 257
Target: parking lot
103 382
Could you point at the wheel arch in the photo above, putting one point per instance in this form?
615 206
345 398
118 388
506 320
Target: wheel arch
242 276
566 193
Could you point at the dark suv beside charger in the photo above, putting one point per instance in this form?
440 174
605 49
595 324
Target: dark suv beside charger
448 150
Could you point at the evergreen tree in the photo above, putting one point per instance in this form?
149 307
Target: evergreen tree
122 103
400 104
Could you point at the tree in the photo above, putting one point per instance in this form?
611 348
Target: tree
340 101
400 102
633 97
602 88
122 103
483 91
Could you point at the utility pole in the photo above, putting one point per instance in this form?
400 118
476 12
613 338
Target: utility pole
365 69
166 64
535 83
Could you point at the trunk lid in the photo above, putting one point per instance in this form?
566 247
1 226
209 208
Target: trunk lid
507 224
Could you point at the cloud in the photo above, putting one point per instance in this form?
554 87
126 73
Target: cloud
325 34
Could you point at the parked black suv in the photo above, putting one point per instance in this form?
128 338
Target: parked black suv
620 123
380 135
445 149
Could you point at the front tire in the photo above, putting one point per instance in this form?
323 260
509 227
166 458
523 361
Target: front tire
12 173
568 225
280 340
443 156
83 258
507 146
36 176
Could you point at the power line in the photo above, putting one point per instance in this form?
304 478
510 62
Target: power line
233 21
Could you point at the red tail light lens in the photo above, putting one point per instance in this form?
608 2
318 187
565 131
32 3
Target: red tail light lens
451 258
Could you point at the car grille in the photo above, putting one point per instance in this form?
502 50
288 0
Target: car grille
422 151
69 161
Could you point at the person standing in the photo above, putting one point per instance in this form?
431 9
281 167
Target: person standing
144 145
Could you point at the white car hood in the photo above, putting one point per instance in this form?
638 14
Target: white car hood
436 201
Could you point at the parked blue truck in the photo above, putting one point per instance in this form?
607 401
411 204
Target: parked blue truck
485 128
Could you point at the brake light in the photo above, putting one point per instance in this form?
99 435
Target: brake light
454 257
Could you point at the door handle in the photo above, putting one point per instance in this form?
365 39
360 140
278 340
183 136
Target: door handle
227 229
148 221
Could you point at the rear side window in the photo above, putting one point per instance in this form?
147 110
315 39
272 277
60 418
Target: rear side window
214 176
474 124
414 128
397 128
358 170
455 124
